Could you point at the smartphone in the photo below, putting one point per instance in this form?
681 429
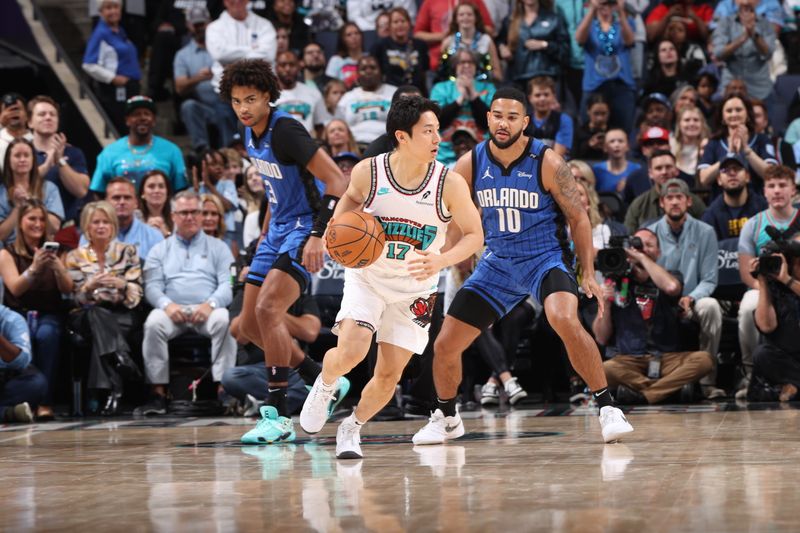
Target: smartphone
51 246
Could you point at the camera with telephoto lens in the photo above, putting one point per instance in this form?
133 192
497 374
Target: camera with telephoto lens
769 264
612 261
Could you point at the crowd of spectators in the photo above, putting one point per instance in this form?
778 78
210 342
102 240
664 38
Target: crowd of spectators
664 110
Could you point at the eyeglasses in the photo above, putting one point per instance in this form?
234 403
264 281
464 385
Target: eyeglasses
187 213
210 213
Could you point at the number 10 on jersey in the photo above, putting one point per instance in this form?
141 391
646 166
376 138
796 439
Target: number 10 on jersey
508 219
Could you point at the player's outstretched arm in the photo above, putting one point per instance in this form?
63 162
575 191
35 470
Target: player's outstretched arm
559 181
457 199
324 169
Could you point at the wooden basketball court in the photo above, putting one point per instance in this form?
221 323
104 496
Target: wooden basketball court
701 468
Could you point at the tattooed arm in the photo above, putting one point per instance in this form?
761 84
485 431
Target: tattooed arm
558 181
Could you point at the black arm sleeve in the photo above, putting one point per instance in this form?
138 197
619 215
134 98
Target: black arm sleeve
296 147
448 114
479 110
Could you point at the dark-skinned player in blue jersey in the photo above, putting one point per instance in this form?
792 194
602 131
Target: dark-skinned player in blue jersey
527 197
303 185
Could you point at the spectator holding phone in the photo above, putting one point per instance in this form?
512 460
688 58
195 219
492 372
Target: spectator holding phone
35 278
13 122
590 139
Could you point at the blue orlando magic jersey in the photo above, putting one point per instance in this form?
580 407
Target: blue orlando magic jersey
280 155
520 219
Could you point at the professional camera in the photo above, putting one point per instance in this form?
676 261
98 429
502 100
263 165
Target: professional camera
613 261
770 264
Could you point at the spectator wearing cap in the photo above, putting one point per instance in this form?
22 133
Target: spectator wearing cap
59 162
13 122
202 106
652 139
730 210
139 152
112 61
647 206
690 247
301 101
606 34
464 139
366 107
465 102
239 34
735 133
552 127
745 41
346 161
612 174
656 111
779 188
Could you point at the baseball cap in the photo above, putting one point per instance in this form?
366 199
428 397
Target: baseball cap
656 97
732 157
463 128
342 156
654 133
197 14
135 102
674 186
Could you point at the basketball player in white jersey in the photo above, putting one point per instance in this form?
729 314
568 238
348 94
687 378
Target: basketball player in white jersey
414 197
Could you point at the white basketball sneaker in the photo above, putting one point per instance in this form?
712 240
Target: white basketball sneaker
439 429
614 424
348 439
315 408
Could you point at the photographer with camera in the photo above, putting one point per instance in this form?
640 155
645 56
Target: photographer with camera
777 316
644 324
779 188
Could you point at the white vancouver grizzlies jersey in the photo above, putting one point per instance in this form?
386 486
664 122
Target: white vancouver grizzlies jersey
411 219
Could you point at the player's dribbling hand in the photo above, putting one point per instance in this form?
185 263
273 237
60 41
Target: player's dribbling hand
592 290
313 254
325 236
426 266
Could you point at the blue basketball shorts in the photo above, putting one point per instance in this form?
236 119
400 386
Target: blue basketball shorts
282 248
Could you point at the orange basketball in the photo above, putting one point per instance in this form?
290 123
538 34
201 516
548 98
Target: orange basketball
355 239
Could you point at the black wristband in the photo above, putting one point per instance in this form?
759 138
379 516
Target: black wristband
324 215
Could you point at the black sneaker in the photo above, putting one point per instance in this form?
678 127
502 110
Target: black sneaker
156 406
627 396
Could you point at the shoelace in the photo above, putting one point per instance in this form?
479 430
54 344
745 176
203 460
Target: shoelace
327 396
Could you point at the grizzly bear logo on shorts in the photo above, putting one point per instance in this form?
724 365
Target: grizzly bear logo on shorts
423 310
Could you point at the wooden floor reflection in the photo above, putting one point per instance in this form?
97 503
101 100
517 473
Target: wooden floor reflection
680 471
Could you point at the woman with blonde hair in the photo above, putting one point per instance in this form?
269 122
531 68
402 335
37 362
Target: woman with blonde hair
582 171
213 221
35 280
252 190
338 138
688 140
107 278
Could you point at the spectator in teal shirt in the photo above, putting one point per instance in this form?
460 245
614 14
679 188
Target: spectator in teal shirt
139 152
465 102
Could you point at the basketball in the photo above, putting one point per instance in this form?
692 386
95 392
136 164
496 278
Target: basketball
355 240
